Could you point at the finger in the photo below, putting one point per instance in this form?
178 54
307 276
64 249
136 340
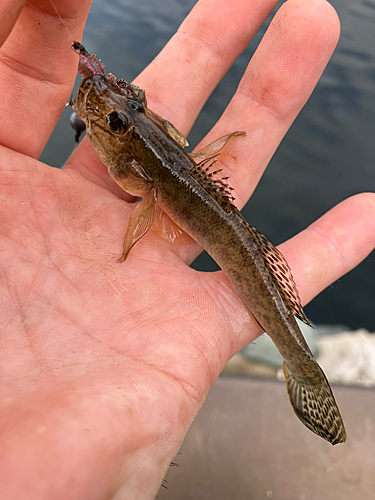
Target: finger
37 72
318 256
277 83
333 245
181 78
9 12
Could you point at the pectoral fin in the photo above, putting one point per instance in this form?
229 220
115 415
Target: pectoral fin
141 219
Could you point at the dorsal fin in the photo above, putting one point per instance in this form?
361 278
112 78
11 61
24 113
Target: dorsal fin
211 180
215 147
215 185
279 270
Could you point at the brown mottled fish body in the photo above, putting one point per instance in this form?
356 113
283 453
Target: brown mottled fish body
144 155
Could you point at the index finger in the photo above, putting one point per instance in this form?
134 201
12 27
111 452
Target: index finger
37 69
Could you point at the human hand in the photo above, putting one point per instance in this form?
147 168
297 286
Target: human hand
105 365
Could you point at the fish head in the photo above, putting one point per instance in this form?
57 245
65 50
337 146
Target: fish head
109 107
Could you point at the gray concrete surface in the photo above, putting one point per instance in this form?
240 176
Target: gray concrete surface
247 444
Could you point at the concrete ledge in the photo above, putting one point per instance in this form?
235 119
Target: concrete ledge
247 444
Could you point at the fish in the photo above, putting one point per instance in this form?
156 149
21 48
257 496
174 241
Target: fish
145 155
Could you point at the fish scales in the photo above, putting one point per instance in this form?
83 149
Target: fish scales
144 154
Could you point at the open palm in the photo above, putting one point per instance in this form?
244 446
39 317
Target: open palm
104 365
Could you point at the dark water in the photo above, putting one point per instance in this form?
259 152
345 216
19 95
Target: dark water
327 156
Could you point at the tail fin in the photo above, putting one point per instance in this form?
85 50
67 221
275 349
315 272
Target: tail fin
315 406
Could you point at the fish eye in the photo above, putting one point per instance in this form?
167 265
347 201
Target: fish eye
117 122
134 105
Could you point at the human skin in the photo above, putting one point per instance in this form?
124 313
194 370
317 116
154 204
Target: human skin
103 366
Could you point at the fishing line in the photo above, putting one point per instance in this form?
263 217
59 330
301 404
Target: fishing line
61 19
